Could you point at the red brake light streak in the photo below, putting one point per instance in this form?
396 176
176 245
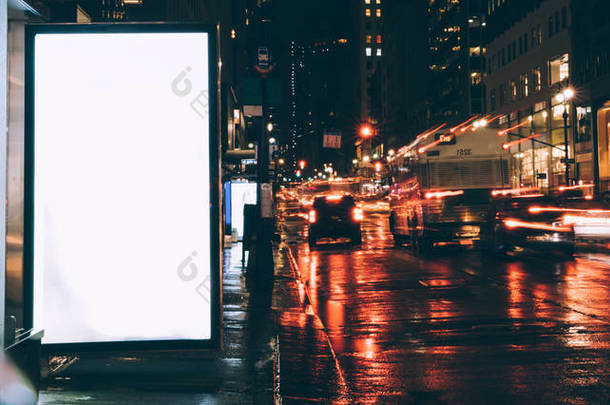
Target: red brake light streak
443 194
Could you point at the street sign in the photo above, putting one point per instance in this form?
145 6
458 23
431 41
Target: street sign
122 255
332 140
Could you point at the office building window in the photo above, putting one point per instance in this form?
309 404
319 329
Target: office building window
564 18
378 39
369 38
367 1
378 12
367 12
369 51
513 90
377 1
550 26
537 75
533 35
501 92
557 22
525 44
378 51
524 82
475 78
559 68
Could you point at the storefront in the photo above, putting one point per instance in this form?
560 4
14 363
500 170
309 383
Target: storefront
603 146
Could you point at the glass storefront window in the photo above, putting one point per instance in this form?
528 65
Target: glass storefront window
559 68
583 124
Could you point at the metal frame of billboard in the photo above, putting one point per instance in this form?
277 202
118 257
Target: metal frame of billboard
215 186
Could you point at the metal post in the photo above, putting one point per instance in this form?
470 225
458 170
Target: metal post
565 143
534 172
3 163
262 150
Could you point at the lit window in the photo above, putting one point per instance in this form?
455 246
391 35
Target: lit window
377 1
378 51
378 12
513 90
368 51
475 78
559 68
378 39
367 12
369 38
525 88
367 1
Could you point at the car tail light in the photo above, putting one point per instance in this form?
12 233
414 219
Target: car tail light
312 217
357 214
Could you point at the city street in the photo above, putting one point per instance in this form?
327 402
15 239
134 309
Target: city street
457 327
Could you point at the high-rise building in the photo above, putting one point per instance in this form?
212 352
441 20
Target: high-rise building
529 50
320 81
405 71
371 44
590 65
457 59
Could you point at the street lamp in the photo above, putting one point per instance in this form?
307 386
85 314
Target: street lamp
281 161
250 145
564 97
366 131
355 161
269 127
366 159
272 140
302 164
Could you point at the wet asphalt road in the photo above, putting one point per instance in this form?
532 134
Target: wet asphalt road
458 327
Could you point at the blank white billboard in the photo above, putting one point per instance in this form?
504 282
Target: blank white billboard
121 200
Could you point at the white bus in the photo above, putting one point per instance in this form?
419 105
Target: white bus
441 185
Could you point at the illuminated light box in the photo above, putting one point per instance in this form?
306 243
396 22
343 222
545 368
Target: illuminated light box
242 193
122 188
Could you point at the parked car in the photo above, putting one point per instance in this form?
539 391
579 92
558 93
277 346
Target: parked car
529 222
334 216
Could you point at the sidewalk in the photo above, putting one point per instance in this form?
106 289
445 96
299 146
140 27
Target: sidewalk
242 373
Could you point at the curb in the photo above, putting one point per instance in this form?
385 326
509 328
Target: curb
344 388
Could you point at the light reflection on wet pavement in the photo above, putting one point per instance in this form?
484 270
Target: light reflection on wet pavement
457 327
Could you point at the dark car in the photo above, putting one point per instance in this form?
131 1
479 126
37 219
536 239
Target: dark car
334 216
535 223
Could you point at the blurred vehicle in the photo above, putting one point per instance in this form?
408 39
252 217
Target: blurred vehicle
533 221
440 185
334 216
379 205
589 216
